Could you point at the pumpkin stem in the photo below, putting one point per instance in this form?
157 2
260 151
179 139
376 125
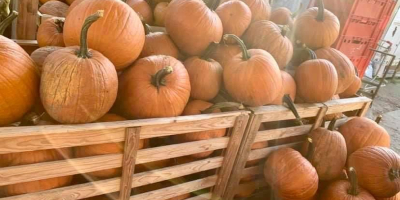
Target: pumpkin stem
297 11
158 79
332 124
146 27
245 53
84 50
394 174
284 30
378 119
286 99
353 190
310 149
313 56
223 105
60 25
6 22
321 9
208 52
31 119
4 9
124 1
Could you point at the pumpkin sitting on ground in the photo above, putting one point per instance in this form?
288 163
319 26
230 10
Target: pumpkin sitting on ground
50 33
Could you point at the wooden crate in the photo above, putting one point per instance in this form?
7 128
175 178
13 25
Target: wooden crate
279 113
25 139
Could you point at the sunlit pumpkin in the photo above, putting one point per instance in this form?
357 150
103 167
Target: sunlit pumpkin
39 55
288 87
158 43
352 90
142 8
50 33
54 8
260 9
159 13
73 5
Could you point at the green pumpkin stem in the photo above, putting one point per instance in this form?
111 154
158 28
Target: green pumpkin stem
158 79
146 27
286 99
60 25
284 30
378 119
297 11
4 9
394 174
84 50
332 124
313 56
7 21
310 150
321 9
245 53
209 51
353 190
223 105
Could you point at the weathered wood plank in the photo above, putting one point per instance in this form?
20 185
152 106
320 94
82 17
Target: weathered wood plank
26 22
364 109
132 140
170 192
281 133
319 118
263 153
278 113
201 197
251 171
344 105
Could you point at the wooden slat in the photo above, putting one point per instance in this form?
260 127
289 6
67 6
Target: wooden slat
26 23
263 153
281 133
320 118
344 105
112 185
128 163
31 43
177 190
278 113
364 109
201 197
39 171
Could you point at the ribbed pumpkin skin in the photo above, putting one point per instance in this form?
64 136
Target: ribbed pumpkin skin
282 16
362 132
19 82
245 79
50 33
15 159
290 175
138 98
373 165
246 189
235 17
316 34
75 90
344 67
159 44
205 78
54 8
142 8
194 108
352 89
224 53
288 87
260 9
39 55
195 28
338 190
73 5
316 81
159 13
396 197
267 35
124 32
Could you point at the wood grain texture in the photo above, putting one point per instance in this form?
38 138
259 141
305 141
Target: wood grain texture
201 197
132 140
170 192
344 105
26 22
364 109
278 113
263 153
281 133
319 118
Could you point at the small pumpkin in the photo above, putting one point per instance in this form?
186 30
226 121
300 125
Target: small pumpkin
50 33
39 55
235 17
158 43
283 16
344 67
253 71
352 90
223 53
268 36
204 73
288 87
163 79
119 42
195 28
54 8
73 5
346 189
317 27
260 9
85 82
290 175
378 170
143 9
159 13
361 132
246 189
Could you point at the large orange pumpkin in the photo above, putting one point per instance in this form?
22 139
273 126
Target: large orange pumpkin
360 132
120 37
78 85
268 36
288 87
317 27
155 86
395 197
54 8
253 71
223 53
73 5
158 43
142 8
352 89
195 28
344 67
260 9
378 170
159 13
50 33
39 55
290 175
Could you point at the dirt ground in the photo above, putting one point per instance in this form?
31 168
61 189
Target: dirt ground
387 104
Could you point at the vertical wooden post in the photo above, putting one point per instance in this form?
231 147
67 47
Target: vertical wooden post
320 117
364 109
132 140
26 23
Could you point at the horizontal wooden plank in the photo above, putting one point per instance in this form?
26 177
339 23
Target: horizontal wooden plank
205 196
112 185
22 139
177 190
39 171
282 133
278 113
251 171
344 105
263 153
32 43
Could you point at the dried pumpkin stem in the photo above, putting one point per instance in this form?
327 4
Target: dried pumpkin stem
208 52
353 190
286 99
223 105
146 27
158 79
312 53
310 149
321 9
245 53
4 9
7 22
332 124
284 30
84 50
394 174
378 119
124 1
60 25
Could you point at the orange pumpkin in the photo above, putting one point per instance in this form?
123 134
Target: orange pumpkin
159 13
344 67
54 8
361 132
73 5
195 28
44 1
317 27
124 40
50 33
165 82
260 9
246 189
253 71
223 53
395 197
288 87
85 82
39 55
268 36
70 1
352 90
158 43
142 8
282 16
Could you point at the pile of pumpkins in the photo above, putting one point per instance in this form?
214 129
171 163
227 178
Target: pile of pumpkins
103 63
